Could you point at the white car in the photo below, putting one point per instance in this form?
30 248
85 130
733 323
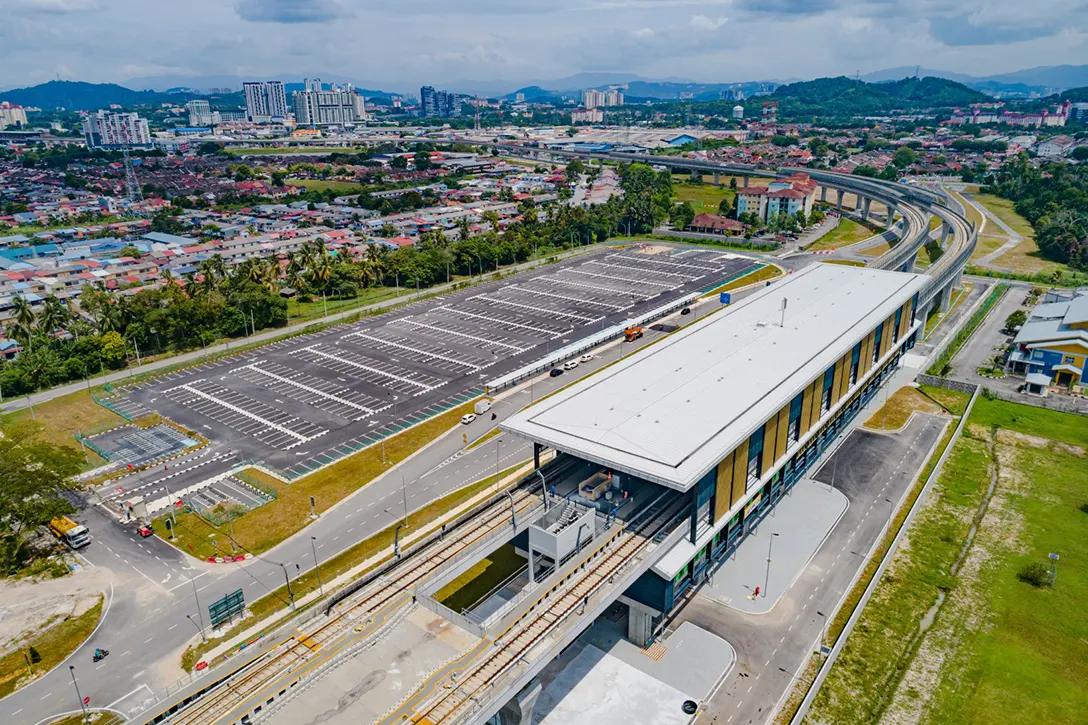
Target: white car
570 364
467 418
585 358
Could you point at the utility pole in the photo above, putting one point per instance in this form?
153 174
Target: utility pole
290 593
72 669
767 576
198 612
317 566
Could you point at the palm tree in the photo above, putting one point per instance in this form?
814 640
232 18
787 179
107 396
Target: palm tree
22 327
491 217
464 228
54 315
168 278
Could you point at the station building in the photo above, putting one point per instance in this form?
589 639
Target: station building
730 412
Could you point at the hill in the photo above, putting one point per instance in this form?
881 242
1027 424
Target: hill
844 96
80 96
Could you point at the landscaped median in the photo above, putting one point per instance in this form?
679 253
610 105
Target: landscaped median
346 566
262 528
943 363
41 652
760 274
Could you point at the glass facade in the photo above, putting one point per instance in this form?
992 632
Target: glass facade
829 384
793 431
855 363
755 455
876 342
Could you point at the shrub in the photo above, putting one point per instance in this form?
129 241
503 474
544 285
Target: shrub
1036 573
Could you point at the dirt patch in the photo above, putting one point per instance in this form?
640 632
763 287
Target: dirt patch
651 249
1068 449
1013 438
978 432
28 608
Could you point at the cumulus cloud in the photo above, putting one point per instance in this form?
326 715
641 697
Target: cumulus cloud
290 11
702 22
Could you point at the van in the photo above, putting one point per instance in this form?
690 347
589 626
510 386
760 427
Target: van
482 406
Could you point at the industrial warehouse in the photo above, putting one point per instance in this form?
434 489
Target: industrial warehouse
729 413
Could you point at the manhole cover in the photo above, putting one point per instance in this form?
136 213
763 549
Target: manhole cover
689 707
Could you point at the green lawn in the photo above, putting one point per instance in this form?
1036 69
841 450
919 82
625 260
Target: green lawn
763 273
302 311
61 418
999 650
846 233
53 645
1025 258
481 579
704 198
340 187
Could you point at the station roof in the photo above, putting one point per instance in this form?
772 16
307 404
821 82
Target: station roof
672 411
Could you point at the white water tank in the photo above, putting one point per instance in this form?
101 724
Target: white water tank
738 112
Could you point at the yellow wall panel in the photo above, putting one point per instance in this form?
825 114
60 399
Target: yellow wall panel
770 435
842 372
740 472
783 432
806 409
723 491
814 390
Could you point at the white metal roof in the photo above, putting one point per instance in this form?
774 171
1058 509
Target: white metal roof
672 411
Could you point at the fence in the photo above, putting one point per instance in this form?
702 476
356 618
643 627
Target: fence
111 407
1060 403
92 445
946 384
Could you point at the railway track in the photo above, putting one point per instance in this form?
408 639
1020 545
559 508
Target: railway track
449 706
389 592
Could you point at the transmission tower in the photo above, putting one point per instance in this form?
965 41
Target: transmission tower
476 126
132 184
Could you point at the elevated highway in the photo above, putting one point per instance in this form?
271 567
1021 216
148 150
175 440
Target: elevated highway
915 203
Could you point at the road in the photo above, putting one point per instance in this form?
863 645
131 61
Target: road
874 471
150 619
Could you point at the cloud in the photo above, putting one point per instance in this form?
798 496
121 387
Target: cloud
702 22
290 11
61 7
969 30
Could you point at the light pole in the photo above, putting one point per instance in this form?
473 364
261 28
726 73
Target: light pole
767 577
286 578
317 566
497 442
72 669
198 627
823 632
198 614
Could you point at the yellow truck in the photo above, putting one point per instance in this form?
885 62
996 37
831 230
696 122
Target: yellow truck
74 535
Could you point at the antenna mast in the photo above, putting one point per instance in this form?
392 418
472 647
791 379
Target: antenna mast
132 184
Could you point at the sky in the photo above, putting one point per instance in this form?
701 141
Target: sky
398 44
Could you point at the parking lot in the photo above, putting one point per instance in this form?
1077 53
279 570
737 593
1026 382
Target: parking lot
299 403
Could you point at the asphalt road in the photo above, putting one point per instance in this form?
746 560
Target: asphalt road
874 470
146 628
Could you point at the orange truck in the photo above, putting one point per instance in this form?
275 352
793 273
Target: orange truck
632 333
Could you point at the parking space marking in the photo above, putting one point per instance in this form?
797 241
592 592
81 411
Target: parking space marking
447 331
501 321
541 310
417 350
337 399
352 363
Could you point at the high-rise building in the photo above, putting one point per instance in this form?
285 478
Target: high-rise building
592 98
334 106
12 115
105 130
438 104
201 113
265 100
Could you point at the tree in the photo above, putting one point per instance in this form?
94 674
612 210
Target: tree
681 215
130 251
279 178
1080 153
725 207
575 168
210 148
904 157
399 162
422 160
1016 319
112 349
166 224
34 476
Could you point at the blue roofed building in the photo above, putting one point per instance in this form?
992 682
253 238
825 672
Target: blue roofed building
1054 343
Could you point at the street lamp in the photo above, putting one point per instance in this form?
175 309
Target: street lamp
72 669
286 578
198 627
767 577
317 566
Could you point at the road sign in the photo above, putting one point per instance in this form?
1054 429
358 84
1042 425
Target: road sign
226 608
724 298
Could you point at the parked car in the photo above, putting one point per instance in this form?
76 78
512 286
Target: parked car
467 418
556 372
585 358
570 364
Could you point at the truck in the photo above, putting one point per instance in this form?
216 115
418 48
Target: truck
632 333
482 406
74 535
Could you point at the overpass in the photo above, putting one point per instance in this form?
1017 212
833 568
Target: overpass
958 237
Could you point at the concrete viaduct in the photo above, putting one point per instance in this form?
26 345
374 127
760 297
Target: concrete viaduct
915 205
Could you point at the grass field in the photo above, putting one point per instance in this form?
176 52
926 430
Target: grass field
704 198
60 419
1025 258
53 645
844 262
767 271
987 243
876 251
264 527
999 650
481 579
340 187
302 311
846 233
280 599
894 414
934 320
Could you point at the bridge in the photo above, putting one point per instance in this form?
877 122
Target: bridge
958 236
